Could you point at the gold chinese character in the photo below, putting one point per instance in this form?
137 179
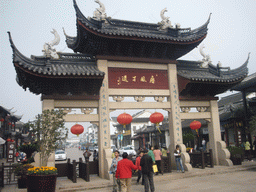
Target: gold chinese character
143 79
152 80
124 78
119 81
134 78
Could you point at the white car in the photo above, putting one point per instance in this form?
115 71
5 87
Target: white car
60 155
128 149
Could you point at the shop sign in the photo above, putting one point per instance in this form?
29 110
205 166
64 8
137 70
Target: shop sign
10 152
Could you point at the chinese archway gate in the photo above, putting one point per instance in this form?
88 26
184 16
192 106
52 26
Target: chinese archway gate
118 59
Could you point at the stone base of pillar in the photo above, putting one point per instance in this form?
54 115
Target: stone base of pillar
223 154
107 163
185 158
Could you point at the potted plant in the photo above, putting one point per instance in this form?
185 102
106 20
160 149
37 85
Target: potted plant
236 154
41 179
21 171
50 130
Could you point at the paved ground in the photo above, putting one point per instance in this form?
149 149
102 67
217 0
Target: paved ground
219 178
238 181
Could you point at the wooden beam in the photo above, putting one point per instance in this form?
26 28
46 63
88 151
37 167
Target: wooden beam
139 105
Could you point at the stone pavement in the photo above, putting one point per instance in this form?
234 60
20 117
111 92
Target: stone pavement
65 185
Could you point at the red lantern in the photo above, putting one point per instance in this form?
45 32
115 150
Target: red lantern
195 125
156 118
8 140
77 129
124 119
9 123
13 125
2 119
12 140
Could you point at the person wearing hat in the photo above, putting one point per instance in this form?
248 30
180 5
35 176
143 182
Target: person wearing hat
124 172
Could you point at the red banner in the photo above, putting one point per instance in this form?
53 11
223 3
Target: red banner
130 78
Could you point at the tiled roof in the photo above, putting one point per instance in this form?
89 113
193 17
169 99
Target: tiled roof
68 65
249 84
191 70
121 28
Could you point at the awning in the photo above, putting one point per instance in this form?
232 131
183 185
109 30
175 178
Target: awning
2 141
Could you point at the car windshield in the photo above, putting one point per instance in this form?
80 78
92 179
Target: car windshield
59 152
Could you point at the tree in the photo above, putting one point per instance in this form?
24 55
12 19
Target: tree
50 129
252 125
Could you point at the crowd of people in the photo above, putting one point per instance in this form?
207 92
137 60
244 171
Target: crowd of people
147 164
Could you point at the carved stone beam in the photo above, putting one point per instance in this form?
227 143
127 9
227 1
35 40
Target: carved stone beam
201 109
118 98
86 110
185 109
159 99
139 98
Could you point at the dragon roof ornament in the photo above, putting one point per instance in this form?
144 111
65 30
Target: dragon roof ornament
165 23
48 49
206 58
99 14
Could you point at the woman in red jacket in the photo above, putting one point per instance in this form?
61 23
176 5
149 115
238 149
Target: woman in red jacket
139 167
124 172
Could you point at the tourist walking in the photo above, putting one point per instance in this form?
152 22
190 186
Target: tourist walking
247 146
164 152
151 154
146 164
124 172
113 168
138 159
158 154
87 155
177 154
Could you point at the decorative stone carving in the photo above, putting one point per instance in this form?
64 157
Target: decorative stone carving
185 109
118 98
86 110
206 58
165 23
139 98
99 14
201 109
48 49
159 99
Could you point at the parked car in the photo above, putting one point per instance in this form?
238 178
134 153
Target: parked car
60 155
128 149
96 148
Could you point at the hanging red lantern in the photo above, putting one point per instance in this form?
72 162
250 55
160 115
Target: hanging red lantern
195 125
77 129
8 140
2 119
156 118
13 125
124 119
9 123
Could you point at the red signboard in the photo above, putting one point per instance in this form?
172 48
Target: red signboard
130 78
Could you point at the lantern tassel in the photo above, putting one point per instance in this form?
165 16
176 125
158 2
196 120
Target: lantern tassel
197 132
157 126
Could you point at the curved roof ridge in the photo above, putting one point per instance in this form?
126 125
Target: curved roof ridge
19 57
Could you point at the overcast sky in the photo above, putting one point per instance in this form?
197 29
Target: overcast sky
231 35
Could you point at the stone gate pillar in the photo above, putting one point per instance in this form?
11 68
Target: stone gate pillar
104 129
175 128
220 154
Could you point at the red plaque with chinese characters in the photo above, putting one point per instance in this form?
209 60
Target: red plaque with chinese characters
130 78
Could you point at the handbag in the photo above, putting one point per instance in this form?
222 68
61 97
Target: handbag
155 168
